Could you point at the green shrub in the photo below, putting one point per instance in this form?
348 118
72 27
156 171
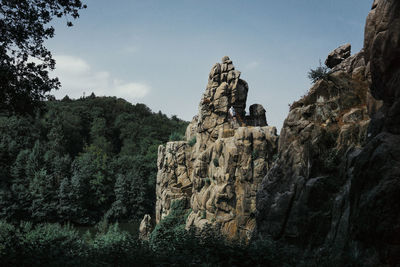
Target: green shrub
192 141
118 248
216 162
53 244
254 154
320 72
203 214
10 244
175 136
170 229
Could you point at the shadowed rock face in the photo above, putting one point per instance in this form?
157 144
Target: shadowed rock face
335 187
297 198
338 55
257 116
374 220
218 169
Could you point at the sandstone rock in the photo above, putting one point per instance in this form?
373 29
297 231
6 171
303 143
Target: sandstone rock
382 49
218 176
374 212
257 116
295 199
173 180
338 55
334 187
145 227
225 59
229 172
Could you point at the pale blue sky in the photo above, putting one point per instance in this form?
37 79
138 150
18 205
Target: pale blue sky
159 52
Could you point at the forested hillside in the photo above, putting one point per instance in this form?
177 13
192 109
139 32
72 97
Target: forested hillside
82 161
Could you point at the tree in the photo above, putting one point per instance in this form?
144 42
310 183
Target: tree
23 30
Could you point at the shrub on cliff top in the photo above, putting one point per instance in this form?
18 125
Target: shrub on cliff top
192 141
170 228
320 72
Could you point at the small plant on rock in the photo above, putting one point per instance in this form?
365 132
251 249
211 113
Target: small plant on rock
192 141
203 214
216 162
175 136
321 72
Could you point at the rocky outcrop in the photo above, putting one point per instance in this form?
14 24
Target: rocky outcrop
257 116
334 190
338 55
374 217
145 228
218 168
297 197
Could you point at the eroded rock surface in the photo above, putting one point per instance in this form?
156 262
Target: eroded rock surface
374 219
219 167
297 197
335 189
338 55
145 228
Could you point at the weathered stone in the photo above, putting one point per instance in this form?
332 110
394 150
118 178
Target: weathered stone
382 49
257 116
296 197
145 227
225 59
218 176
338 55
334 187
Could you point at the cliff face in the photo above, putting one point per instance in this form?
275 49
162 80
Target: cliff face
331 187
218 168
335 186
374 221
297 199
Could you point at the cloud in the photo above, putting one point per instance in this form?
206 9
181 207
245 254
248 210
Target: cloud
130 49
72 64
251 65
78 78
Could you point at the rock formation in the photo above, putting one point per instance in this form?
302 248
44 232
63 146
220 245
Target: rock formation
145 228
374 219
330 187
257 116
218 168
334 189
296 199
338 55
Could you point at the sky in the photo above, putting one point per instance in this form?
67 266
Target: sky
160 52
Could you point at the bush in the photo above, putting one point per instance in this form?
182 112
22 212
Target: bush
318 73
118 248
254 155
170 244
216 162
53 244
192 141
175 136
169 237
9 244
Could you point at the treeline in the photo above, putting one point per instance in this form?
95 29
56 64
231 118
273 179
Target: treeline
56 245
81 161
170 244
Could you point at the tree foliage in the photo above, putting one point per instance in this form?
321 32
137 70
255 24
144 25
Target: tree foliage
24 60
320 72
82 161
